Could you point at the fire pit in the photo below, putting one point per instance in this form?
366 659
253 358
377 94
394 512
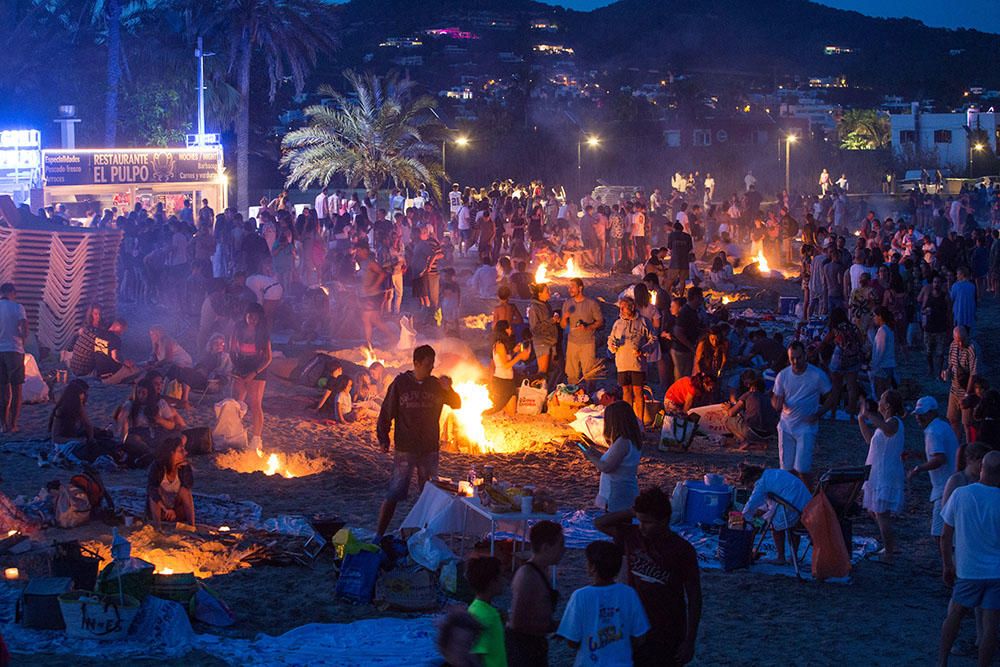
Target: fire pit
275 463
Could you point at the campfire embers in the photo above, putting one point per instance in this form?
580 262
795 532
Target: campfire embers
275 463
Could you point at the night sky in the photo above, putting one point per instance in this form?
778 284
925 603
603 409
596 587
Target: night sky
981 15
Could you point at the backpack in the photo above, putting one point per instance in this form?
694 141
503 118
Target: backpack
93 486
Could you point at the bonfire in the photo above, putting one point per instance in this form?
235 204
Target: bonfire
276 463
571 271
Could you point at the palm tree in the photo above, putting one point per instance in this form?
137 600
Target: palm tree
380 132
864 129
290 35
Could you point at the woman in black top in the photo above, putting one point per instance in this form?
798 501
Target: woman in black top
250 350
935 309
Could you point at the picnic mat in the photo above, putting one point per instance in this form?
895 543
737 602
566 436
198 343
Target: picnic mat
213 510
162 630
707 545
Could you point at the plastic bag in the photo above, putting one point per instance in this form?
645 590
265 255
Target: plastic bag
407 334
531 399
678 503
229 432
429 550
829 558
72 506
678 431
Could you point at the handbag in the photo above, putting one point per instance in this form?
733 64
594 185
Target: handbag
678 431
531 397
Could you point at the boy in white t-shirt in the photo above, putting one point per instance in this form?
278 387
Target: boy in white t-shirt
602 620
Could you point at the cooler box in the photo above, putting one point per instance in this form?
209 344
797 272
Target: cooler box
39 605
706 504
787 304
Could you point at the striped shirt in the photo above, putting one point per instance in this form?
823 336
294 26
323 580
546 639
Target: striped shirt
964 358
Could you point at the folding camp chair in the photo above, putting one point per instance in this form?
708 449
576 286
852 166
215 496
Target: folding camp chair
795 530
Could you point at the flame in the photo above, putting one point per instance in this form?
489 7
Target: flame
652 297
726 299
570 271
276 463
370 357
475 399
762 262
166 570
540 274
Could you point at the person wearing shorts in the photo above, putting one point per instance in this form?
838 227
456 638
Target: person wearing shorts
412 408
13 332
972 528
631 340
801 394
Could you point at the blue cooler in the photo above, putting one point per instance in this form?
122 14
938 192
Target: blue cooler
706 504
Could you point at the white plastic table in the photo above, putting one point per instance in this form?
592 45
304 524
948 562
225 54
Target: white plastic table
518 519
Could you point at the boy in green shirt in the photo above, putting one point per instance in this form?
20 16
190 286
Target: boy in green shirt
485 578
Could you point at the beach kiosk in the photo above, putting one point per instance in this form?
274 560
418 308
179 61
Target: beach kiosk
86 180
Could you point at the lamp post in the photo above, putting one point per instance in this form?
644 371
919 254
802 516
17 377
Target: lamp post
593 141
789 140
973 149
461 141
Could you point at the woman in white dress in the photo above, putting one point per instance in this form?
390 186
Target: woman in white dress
619 465
884 490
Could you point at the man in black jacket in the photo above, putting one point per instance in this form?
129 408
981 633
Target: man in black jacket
413 401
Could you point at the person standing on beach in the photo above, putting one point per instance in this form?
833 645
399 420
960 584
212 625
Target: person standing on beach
801 394
662 567
972 529
413 402
13 332
941 450
533 600
581 317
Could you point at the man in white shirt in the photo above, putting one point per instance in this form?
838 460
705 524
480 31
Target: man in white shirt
842 182
320 205
709 189
972 528
941 449
463 217
13 332
801 394
682 217
454 200
782 484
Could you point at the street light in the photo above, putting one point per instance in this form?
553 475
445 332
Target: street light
461 141
973 149
592 141
789 140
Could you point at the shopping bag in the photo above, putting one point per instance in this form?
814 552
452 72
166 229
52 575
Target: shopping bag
357 576
94 616
407 589
677 431
173 390
531 397
830 557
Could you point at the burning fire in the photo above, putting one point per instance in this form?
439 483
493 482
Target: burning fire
475 399
726 299
762 262
540 274
370 357
571 271
285 465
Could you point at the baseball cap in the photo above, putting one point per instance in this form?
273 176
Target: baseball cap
924 405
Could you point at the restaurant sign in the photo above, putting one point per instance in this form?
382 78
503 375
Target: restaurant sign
131 166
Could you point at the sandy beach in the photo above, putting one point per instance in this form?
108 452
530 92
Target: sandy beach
888 615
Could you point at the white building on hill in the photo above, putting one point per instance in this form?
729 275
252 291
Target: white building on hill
947 138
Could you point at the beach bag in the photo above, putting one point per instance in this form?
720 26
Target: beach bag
72 506
315 369
229 432
199 440
677 431
101 617
131 577
358 575
735 548
531 397
830 557
407 589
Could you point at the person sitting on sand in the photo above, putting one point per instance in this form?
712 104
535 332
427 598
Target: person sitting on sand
751 418
341 405
688 392
373 383
167 418
215 365
169 484
787 487
334 370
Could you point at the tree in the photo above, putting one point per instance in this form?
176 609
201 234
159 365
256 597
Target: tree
289 35
379 132
864 129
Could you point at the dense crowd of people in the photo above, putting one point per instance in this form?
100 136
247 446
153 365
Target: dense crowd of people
874 292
